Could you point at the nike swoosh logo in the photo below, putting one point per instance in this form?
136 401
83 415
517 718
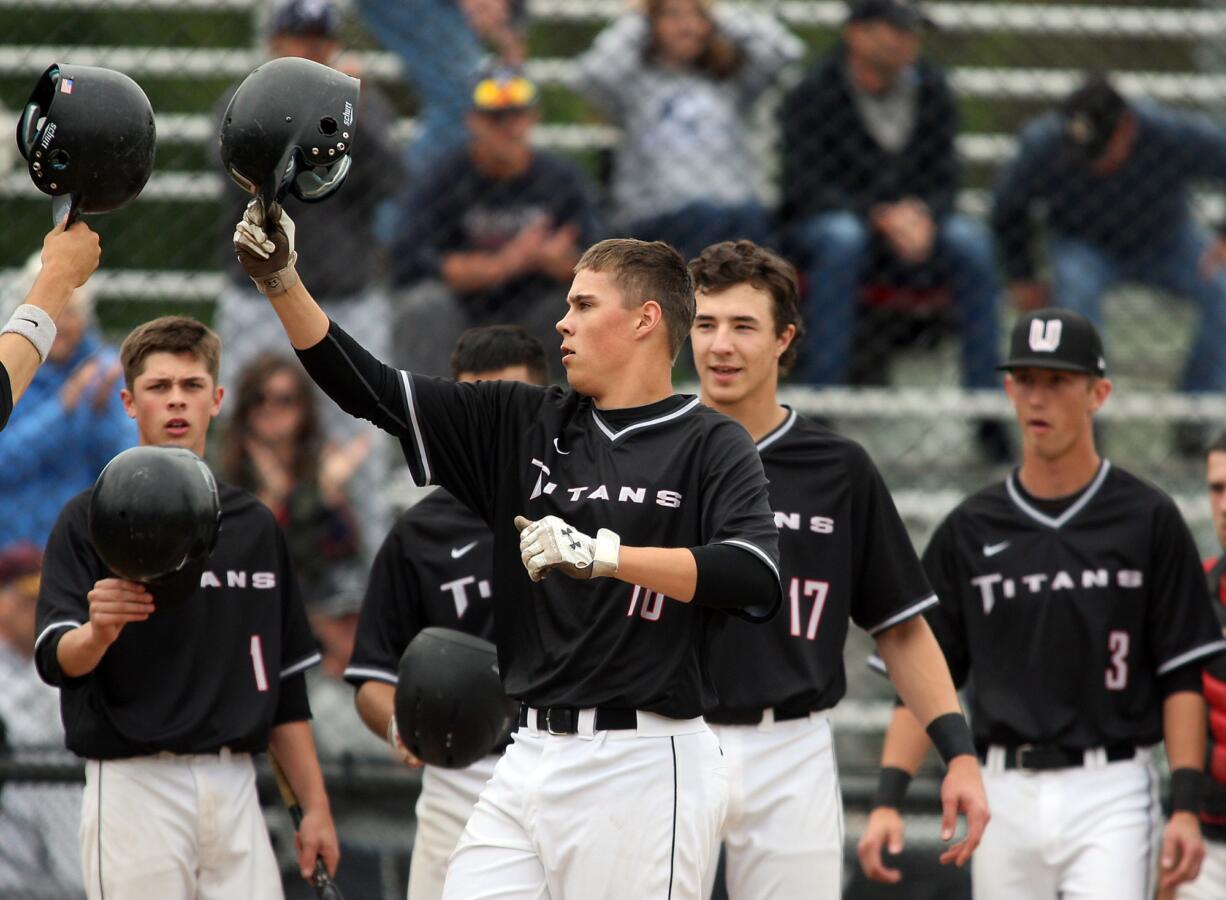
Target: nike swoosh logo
31 321
457 552
993 549
559 449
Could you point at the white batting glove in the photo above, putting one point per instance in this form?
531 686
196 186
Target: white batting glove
550 543
265 247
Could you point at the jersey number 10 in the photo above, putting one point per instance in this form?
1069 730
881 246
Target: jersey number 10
818 591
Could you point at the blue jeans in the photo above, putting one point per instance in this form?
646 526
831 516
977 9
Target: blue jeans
697 225
441 54
838 246
1082 272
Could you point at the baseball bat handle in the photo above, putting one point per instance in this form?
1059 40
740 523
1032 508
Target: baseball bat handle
325 888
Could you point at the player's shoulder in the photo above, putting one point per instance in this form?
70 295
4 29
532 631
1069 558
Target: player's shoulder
241 506
988 501
807 437
1122 487
75 513
438 510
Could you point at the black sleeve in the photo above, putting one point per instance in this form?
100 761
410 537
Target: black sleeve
6 397
391 612
736 511
1181 626
945 617
724 581
71 568
890 584
1185 679
292 704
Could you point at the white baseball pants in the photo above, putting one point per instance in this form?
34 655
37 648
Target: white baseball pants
783 836
175 828
609 815
1211 883
1086 833
446 801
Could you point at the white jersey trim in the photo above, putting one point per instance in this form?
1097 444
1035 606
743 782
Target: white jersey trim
1016 496
53 627
407 380
778 432
647 423
370 674
755 549
302 665
1196 653
877 664
902 615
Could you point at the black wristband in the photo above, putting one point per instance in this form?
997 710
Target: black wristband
891 787
1187 790
951 736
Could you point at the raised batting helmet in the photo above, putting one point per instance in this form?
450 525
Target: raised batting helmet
288 129
450 707
154 512
88 136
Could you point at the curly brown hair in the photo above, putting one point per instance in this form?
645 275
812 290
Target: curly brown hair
720 59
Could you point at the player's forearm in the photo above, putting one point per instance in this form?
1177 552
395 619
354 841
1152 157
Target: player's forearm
293 745
918 669
304 321
906 743
80 650
476 271
1183 728
50 293
375 701
670 571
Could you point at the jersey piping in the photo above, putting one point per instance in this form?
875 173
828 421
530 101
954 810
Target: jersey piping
370 674
1195 653
757 551
53 627
646 423
407 381
1044 519
302 665
912 610
778 432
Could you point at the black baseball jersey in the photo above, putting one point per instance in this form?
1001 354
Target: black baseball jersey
668 474
6 397
435 568
1068 621
844 553
213 667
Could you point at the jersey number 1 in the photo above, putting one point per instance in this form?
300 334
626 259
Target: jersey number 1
815 589
257 663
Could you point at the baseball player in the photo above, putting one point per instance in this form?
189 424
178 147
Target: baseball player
844 553
1211 883
654 512
69 258
1073 597
168 704
436 568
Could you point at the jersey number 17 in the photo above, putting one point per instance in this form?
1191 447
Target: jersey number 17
808 588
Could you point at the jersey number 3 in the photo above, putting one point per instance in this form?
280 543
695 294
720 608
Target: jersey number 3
1118 644
815 589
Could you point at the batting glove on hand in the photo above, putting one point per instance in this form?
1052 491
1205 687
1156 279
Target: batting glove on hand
264 244
550 543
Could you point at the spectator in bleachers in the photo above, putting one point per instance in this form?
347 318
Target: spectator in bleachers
38 822
441 43
69 424
344 259
870 179
493 230
679 78
275 446
1110 180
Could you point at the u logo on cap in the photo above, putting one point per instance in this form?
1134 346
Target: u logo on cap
1045 336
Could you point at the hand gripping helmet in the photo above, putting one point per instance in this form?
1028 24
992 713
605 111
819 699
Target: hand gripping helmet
88 136
450 706
288 129
154 511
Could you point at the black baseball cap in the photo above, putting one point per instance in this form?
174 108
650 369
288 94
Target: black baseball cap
1055 339
319 17
902 14
1089 116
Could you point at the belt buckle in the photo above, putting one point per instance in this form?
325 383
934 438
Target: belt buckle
549 711
1018 752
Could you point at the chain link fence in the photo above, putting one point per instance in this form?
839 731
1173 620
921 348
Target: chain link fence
901 193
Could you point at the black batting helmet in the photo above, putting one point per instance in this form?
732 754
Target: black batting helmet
289 128
88 136
450 707
154 511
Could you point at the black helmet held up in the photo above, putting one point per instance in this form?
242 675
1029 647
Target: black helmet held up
450 706
88 136
289 129
154 511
